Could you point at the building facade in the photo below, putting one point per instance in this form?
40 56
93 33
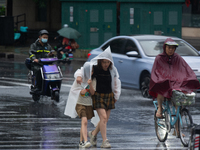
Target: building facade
99 20
191 19
38 17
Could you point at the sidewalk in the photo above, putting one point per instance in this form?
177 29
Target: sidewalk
19 52
12 53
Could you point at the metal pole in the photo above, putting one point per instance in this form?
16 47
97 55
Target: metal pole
17 23
24 19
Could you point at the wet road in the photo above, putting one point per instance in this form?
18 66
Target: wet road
29 125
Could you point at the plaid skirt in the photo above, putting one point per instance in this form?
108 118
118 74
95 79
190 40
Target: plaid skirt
103 100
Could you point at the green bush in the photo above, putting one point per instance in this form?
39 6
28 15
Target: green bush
2 10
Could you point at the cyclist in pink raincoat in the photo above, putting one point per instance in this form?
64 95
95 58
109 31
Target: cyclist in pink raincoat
170 71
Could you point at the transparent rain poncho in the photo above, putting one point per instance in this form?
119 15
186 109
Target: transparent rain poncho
85 73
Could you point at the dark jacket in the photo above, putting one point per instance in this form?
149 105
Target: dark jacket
38 51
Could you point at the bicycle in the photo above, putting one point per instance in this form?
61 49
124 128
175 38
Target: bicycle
173 111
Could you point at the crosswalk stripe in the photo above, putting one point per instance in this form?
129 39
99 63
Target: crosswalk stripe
24 84
8 112
6 87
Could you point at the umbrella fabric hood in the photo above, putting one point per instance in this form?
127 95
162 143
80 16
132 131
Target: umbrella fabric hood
69 33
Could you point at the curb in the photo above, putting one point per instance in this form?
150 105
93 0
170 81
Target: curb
9 56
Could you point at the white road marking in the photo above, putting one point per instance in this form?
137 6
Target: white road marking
6 87
24 84
8 112
66 85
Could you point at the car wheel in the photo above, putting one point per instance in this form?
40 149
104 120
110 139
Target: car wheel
145 85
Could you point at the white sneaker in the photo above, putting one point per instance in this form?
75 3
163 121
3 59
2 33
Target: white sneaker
80 144
85 144
93 139
105 144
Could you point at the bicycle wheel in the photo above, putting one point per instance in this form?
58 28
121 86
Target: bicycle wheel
185 127
161 127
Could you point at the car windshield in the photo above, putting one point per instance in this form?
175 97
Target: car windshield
155 47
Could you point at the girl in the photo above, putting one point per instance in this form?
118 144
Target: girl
83 105
85 111
108 90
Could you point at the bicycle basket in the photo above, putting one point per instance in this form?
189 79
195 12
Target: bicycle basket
179 98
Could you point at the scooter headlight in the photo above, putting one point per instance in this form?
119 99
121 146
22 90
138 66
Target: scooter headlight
56 76
53 76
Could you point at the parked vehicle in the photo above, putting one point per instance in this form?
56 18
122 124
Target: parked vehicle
51 79
134 57
194 143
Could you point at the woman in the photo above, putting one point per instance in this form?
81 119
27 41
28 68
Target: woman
170 71
70 46
108 90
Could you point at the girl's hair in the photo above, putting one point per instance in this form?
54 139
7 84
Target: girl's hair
100 66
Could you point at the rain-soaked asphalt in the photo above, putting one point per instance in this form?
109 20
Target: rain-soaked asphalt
25 124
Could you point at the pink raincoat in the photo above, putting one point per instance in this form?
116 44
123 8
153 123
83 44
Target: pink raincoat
170 73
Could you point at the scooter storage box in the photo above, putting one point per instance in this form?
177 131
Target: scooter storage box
51 72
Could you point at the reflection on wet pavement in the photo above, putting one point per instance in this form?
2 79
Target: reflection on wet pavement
19 70
29 125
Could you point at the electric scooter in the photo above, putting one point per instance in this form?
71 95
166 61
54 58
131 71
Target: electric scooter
68 53
51 79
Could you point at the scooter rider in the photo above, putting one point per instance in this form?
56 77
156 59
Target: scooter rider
39 49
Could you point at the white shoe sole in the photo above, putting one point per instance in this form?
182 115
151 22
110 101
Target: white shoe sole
87 145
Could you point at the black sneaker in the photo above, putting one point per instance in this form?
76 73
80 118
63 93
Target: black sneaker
36 90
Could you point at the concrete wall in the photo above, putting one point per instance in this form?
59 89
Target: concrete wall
191 32
29 7
192 36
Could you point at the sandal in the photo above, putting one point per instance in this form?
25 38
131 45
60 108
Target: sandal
159 114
